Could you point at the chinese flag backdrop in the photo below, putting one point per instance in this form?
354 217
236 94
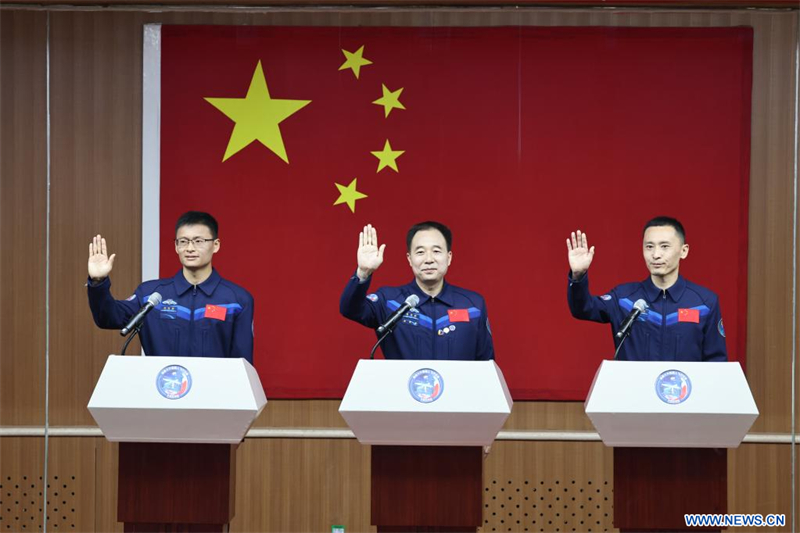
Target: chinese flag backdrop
513 136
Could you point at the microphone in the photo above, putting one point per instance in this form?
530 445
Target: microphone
638 308
410 303
152 301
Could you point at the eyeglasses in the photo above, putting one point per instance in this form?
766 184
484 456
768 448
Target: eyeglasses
198 242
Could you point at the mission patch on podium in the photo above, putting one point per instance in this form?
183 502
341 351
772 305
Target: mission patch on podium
426 385
174 382
673 386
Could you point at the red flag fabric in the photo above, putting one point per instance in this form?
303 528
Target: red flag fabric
216 312
689 315
458 315
296 137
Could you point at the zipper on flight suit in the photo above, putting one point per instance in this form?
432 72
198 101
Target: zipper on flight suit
191 322
433 329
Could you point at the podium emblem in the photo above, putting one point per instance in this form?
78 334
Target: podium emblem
174 382
426 385
673 386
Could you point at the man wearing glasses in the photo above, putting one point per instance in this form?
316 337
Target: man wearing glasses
200 314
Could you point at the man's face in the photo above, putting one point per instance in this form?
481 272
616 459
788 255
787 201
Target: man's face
195 256
663 250
429 256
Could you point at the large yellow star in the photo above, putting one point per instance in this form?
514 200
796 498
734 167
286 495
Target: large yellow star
387 157
257 116
390 100
355 60
348 195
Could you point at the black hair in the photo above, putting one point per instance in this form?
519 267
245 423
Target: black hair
430 224
667 221
191 218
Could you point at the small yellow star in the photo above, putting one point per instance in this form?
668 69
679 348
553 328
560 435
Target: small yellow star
348 195
355 60
257 117
390 100
387 157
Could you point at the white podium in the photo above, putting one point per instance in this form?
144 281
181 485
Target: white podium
179 421
472 406
626 408
670 423
223 399
429 421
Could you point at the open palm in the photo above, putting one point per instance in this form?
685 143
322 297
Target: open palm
100 264
579 254
370 255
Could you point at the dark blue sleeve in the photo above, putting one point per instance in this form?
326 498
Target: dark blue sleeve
107 312
485 343
243 331
355 305
714 348
584 306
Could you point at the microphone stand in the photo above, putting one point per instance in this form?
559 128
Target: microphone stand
620 344
380 340
133 333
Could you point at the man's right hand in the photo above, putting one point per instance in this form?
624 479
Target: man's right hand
370 256
579 254
100 264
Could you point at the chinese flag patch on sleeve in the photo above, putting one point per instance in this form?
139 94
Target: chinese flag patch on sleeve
689 315
217 312
458 315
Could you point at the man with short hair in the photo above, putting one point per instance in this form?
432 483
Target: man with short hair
683 320
448 323
200 314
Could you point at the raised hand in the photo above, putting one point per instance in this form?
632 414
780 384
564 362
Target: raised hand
579 254
100 264
370 255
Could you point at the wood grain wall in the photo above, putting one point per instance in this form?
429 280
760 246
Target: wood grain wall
95 84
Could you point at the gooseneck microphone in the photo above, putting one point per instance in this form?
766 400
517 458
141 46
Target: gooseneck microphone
410 303
152 301
627 325
387 327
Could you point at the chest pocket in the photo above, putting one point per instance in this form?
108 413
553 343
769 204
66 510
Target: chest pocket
688 339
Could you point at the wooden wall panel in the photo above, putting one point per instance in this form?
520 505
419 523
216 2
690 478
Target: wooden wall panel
301 413
309 485
106 456
548 486
23 216
759 481
96 128
302 485
71 492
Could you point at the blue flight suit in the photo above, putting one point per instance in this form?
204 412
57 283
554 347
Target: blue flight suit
683 322
179 325
452 325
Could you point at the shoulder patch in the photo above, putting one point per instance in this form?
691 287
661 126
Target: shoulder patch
721 328
372 297
605 297
131 298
